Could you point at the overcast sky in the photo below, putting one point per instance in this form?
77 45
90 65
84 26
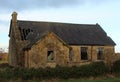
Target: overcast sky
104 12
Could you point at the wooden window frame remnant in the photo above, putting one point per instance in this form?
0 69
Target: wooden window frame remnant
84 53
100 53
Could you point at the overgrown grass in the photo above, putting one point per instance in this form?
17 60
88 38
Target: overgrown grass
68 80
83 80
95 69
3 61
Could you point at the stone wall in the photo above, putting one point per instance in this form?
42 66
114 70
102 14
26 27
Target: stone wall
16 44
116 57
37 56
12 59
108 52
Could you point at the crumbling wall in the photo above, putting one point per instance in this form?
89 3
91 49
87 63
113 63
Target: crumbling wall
37 55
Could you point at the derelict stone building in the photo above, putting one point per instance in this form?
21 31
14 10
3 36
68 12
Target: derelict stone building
47 44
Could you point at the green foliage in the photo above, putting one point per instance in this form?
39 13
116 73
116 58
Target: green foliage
95 80
93 69
116 67
99 68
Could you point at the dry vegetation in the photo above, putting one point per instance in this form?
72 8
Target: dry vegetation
3 58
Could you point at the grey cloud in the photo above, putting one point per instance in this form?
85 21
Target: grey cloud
30 4
23 4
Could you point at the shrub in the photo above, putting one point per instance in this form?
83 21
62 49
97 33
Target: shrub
93 69
99 68
116 67
6 73
63 72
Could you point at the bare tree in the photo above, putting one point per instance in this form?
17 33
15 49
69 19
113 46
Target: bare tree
2 50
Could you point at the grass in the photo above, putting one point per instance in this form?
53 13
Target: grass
7 73
83 80
1 61
70 80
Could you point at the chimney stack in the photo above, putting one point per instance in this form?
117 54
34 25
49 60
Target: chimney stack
14 17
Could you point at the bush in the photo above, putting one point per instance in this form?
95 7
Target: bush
99 68
93 69
116 67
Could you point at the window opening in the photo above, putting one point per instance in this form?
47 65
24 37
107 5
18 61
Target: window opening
50 56
84 54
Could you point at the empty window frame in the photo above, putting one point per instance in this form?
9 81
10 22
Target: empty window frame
84 54
70 54
100 53
50 56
